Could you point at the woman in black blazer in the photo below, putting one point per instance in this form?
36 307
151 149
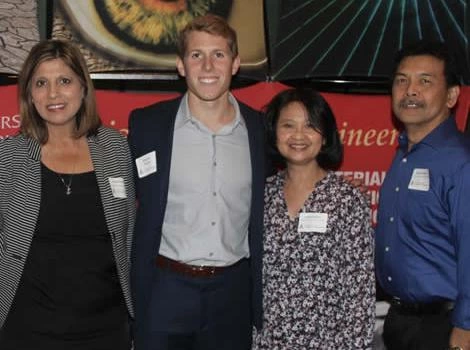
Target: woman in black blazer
67 211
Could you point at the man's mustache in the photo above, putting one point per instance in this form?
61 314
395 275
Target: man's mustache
406 102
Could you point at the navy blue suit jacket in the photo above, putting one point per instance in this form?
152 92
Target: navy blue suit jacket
151 129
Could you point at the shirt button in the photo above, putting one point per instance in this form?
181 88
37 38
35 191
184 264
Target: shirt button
389 278
397 189
214 164
387 249
211 254
213 223
404 160
214 194
392 219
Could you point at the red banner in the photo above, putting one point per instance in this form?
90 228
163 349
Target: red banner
364 122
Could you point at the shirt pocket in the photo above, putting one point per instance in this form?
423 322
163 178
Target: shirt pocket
424 207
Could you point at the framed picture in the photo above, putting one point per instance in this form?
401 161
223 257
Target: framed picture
345 40
131 39
19 32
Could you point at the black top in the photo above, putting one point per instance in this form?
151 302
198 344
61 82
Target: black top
69 288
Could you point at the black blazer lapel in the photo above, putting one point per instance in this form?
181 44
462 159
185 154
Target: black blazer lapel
164 147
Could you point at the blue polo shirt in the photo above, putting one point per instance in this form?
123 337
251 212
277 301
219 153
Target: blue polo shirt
423 228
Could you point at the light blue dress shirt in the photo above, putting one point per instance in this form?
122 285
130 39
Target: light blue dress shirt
209 198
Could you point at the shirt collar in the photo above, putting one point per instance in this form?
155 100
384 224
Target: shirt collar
183 116
437 137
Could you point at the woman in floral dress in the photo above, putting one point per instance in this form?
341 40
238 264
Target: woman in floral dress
318 274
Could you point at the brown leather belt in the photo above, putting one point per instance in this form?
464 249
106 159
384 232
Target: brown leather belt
191 270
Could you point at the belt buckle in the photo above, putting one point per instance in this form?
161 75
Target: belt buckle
211 270
206 270
407 307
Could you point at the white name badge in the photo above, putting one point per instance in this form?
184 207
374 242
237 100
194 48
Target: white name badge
146 164
419 180
117 187
312 222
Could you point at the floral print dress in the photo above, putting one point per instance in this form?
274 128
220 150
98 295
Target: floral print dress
319 288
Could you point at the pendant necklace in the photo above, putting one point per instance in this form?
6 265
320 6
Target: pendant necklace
63 177
67 185
67 178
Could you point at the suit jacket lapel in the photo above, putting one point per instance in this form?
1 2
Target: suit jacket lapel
164 146
103 171
255 143
100 166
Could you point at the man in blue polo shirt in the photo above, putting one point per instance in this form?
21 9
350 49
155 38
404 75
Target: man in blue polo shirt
423 231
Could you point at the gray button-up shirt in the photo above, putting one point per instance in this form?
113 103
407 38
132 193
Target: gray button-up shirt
207 215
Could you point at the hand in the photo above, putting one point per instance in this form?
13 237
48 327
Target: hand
460 338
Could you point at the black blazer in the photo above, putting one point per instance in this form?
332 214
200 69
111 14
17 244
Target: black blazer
151 129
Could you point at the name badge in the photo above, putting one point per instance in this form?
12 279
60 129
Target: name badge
313 222
146 164
419 180
117 187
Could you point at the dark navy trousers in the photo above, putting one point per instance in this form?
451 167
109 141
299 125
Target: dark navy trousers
200 313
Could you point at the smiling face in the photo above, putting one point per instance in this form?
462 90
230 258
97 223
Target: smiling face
296 139
421 98
208 66
57 93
